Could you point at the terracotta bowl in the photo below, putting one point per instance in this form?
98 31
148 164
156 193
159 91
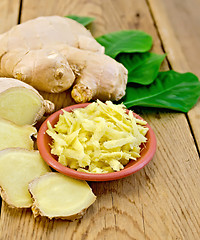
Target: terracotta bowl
43 140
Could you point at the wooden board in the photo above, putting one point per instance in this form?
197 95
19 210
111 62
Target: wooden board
8 18
159 202
178 25
9 14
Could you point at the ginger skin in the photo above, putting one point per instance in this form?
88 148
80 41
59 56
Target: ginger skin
100 77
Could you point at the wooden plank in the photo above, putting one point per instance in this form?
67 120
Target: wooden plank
170 187
184 20
178 24
160 201
9 14
8 18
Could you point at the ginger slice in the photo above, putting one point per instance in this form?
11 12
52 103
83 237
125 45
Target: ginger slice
17 168
59 196
13 135
21 103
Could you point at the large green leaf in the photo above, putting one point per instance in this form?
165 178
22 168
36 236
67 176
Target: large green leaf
172 90
142 68
127 41
82 20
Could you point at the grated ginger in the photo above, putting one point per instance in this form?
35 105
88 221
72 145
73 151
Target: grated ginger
99 138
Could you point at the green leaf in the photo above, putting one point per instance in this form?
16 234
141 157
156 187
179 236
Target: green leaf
127 41
172 90
82 20
142 68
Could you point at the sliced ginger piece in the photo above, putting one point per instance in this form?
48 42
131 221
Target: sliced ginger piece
21 103
13 135
17 168
59 196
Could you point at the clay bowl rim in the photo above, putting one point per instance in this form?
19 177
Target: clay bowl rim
43 141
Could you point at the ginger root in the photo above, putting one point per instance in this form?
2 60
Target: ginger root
53 54
98 77
13 135
59 196
18 167
21 103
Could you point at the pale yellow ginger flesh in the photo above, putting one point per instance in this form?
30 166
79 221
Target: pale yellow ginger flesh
54 54
17 168
59 196
13 135
100 138
21 103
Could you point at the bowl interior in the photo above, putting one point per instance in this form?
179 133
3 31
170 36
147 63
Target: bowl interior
43 142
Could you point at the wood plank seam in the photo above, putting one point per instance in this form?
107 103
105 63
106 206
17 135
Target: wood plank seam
20 11
193 135
158 34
